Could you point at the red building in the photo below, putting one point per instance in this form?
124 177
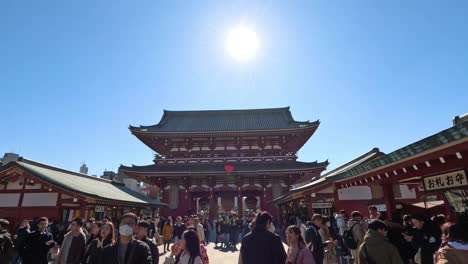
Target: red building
429 175
30 189
220 161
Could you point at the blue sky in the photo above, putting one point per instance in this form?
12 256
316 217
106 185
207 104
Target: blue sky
75 74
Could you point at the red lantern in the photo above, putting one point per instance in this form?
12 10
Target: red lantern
228 168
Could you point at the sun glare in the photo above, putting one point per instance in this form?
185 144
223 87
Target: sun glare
242 43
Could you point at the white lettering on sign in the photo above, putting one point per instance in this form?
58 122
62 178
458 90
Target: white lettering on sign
321 205
99 209
445 181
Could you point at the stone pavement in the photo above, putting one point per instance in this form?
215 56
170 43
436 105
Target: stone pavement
217 256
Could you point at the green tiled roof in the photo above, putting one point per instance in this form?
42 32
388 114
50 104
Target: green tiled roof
219 167
328 177
375 159
444 137
225 120
84 184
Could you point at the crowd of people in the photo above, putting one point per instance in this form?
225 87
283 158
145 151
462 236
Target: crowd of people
408 239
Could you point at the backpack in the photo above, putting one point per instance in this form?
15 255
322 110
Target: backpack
312 242
348 238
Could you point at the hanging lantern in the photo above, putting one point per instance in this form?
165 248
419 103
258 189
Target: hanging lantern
228 167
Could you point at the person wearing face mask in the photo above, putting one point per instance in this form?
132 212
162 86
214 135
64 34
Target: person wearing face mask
127 249
262 246
376 248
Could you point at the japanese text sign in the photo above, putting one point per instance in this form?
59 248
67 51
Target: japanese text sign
445 181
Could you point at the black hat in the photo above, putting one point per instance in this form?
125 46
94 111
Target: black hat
79 221
143 224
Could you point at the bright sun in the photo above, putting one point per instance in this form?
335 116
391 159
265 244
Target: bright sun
242 43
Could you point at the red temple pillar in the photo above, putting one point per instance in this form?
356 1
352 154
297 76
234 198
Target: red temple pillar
389 199
212 204
310 209
83 210
263 202
240 209
188 201
279 215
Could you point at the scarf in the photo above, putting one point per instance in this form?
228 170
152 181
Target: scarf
67 242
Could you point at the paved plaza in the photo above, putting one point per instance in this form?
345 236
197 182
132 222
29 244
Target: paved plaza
224 256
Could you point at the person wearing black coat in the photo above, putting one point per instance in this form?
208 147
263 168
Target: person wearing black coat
94 252
261 246
395 232
225 231
105 238
94 233
426 239
234 232
219 235
37 244
179 228
138 252
151 229
140 234
7 249
313 238
127 250
21 233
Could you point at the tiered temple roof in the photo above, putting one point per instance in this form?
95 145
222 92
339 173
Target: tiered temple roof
220 168
251 141
225 120
252 132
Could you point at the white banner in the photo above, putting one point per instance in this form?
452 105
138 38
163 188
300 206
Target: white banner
321 205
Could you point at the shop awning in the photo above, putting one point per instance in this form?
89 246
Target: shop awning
429 205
